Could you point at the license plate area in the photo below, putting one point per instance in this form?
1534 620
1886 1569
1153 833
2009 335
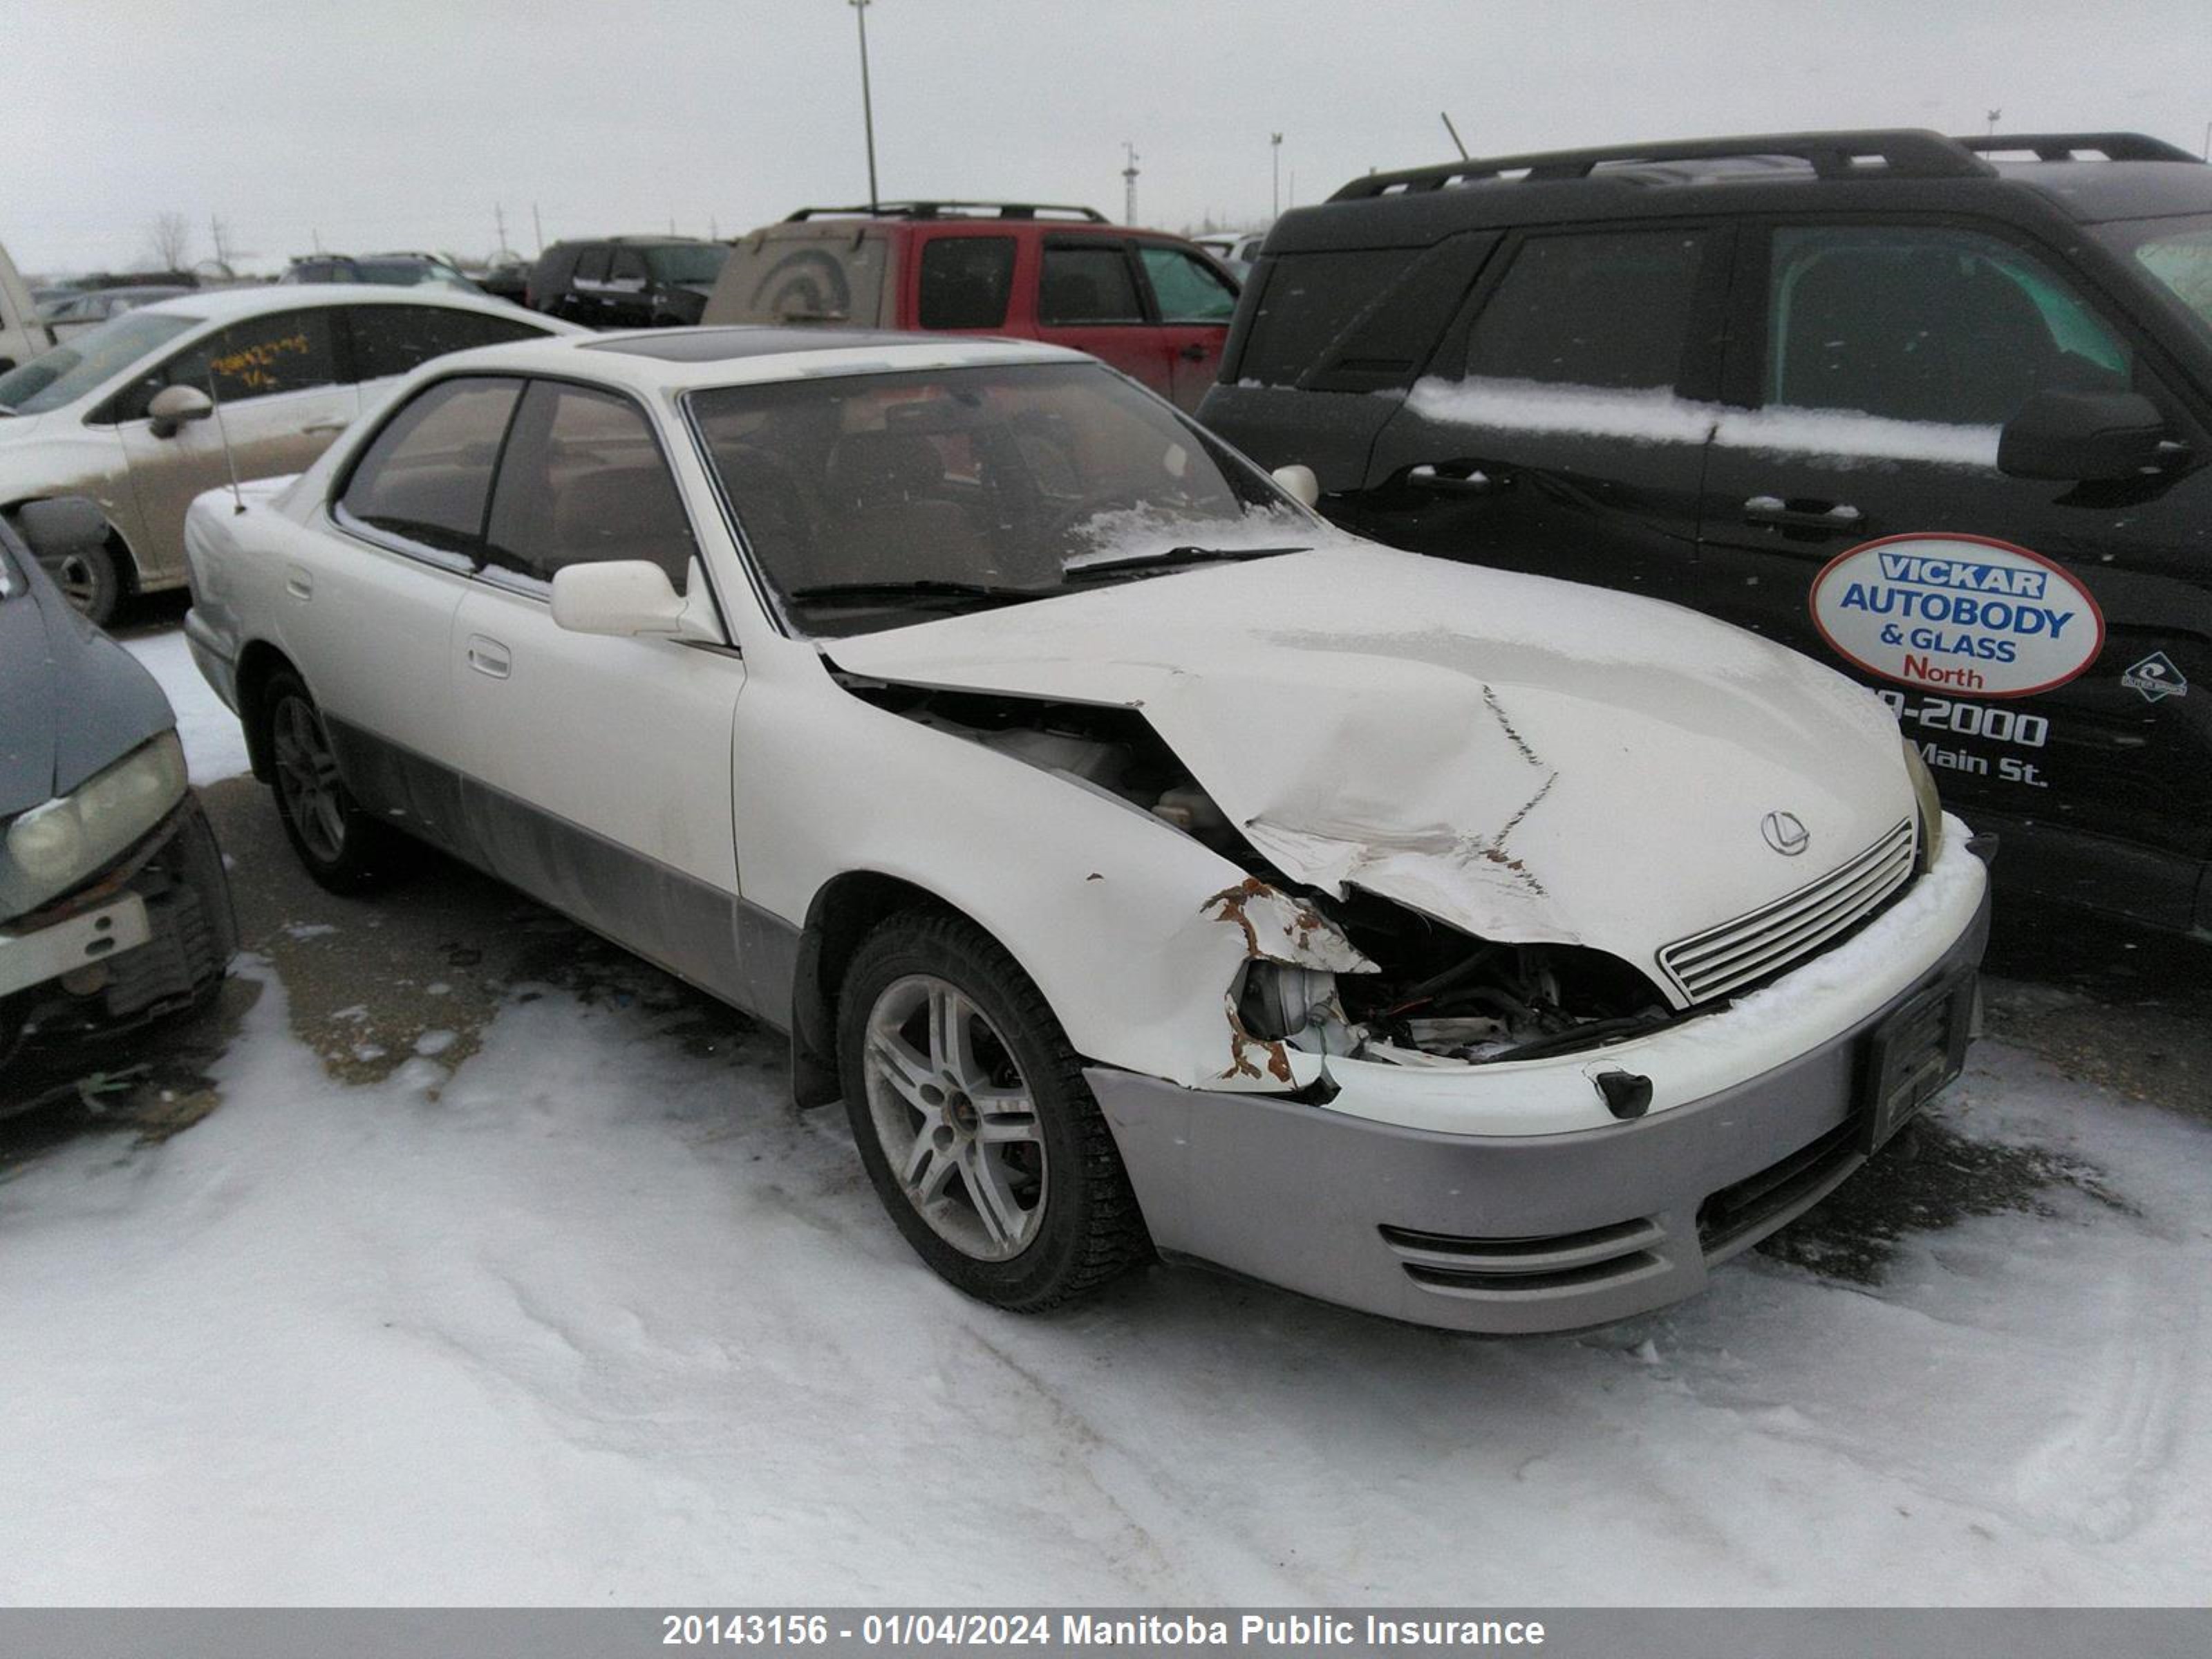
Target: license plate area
1913 1054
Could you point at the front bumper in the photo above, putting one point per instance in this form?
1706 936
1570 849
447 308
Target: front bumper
1502 1233
169 898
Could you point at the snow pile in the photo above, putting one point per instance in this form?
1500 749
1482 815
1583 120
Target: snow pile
215 744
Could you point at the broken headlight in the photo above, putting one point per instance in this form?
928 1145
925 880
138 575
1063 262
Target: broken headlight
51 849
1927 806
1279 1000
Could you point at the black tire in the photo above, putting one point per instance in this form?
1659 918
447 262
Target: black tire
342 847
1086 1229
89 579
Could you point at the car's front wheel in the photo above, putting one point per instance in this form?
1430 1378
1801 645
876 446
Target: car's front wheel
974 1121
342 847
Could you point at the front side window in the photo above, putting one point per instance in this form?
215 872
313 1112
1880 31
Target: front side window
393 339
55 378
1610 310
584 482
965 282
2176 254
1187 289
874 500
1926 323
263 357
1087 284
426 475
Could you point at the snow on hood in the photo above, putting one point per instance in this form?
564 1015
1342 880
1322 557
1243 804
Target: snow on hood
1527 759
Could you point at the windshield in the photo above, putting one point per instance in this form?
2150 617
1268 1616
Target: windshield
881 500
682 263
67 373
2177 251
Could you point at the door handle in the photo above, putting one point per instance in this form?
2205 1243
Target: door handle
299 582
1193 353
488 656
317 428
1428 476
1772 509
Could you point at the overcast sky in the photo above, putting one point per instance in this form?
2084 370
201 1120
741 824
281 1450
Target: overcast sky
378 123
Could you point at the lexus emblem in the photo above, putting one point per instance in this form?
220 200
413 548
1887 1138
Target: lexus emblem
1785 834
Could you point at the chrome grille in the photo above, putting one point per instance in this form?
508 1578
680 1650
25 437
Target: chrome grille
1770 938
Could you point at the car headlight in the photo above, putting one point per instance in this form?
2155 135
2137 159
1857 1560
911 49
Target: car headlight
1927 806
51 849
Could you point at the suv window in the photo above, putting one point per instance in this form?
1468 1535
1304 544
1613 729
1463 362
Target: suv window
626 264
965 281
592 264
393 339
1925 323
1608 309
584 481
288 352
427 474
1087 284
1308 302
1187 289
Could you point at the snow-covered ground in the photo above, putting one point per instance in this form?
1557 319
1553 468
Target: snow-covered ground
215 747
590 1315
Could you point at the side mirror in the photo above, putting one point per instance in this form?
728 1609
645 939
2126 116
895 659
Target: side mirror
623 598
173 405
2082 437
1298 482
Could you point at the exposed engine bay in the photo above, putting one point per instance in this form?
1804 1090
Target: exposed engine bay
1429 994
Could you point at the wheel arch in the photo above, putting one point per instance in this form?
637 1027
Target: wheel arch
259 662
127 574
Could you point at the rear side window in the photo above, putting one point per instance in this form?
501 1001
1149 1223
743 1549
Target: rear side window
965 281
1610 309
583 481
426 475
626 264
592 264
393 339
1087 285
1186 288
1309 300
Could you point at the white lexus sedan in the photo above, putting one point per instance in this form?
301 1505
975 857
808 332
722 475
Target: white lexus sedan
1149 867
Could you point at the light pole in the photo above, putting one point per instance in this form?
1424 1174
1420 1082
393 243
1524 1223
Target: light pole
1275 150
867 102
1129 184
1995 116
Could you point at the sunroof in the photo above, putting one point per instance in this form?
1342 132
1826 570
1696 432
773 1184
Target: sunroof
716 345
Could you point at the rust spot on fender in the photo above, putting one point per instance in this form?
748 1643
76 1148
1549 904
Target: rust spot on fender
1240 1061
1229 903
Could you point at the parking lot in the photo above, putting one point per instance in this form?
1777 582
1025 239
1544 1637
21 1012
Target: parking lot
457 1255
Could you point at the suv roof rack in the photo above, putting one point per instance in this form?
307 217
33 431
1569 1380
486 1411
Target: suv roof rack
2067 146
1902 152
955 211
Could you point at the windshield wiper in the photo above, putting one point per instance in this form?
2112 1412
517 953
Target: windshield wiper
926 589
1169 558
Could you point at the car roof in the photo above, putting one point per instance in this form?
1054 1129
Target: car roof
228 304
1900 169
683 359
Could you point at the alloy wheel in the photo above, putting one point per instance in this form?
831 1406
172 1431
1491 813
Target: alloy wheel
307 779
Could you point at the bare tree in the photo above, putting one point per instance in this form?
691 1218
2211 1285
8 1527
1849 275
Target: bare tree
169 240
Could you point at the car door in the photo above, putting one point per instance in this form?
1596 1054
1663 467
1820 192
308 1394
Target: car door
1089 299
369 596
1194 303
1561 426
1874 364
282 398
599 767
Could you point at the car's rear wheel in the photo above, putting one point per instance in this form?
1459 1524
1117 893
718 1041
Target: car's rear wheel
342 847
974 1121
87 578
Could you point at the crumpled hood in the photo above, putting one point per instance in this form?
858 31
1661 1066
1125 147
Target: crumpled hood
1527 759
71 699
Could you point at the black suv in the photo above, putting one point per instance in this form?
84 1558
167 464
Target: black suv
627 281
1936 411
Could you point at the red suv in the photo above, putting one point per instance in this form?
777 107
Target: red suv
1153 306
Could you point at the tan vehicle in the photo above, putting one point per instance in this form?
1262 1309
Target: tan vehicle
22 335
137 414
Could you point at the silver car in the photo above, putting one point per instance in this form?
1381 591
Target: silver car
137 414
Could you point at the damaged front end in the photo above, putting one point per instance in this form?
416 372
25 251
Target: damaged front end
1354 975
